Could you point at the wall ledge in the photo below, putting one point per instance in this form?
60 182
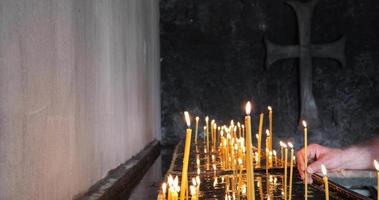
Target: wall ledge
124 177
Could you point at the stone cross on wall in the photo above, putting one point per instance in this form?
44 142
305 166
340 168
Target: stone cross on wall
305 51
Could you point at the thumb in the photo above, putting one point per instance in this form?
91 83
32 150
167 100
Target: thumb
315 166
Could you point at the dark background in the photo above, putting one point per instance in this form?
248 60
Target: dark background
213 62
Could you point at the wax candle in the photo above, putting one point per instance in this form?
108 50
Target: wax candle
325 178
198 185
267 147
164 189
176 189
291 170
214 135
285 170
270 126
193 192
243 130
249 160
196 128
281 153
376 165
207 133
259 145
184 181
239 129
275 158
305 159
212 130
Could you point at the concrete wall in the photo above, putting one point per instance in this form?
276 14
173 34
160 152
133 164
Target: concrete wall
79 92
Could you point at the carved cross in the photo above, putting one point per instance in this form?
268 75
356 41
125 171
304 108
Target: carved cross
305 51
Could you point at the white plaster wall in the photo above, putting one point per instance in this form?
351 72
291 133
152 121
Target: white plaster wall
79 92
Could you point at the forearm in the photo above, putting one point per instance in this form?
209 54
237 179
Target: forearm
361 156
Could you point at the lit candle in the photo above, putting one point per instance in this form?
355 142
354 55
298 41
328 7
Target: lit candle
260 138
196 129
267 147
305 159
193 192
325 178
207 131
275 158
198 185
281 153
214 136
239 129
249 160
291 171
212 130
270 125
184 181
243 130
164 189
176 189
376 164
285 170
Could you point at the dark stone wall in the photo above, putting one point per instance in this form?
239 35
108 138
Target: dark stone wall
213 58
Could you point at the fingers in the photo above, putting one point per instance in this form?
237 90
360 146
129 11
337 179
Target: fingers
315 167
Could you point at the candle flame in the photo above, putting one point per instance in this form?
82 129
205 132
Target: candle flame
283 144
222 133
197 118
231 123
269 108
215 126
235 128
323 169
213 121
193 190
188 121
238 124
205 128
193 181
170 180
257 136
206 119
267 133
290 145
304 124
274 152
248 108
198 180
176 180
376 164
164 187
243 126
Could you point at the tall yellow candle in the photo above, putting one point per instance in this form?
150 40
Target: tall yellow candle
193 192
285 170
305 159
214 136
212 129
164 189
270 126
291 171
376 165
196 128
267 148
325 178
281 153
243 130
260 139
249 154
239 129
275 158
207 131
187 147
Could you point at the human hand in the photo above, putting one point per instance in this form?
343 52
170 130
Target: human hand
332 158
